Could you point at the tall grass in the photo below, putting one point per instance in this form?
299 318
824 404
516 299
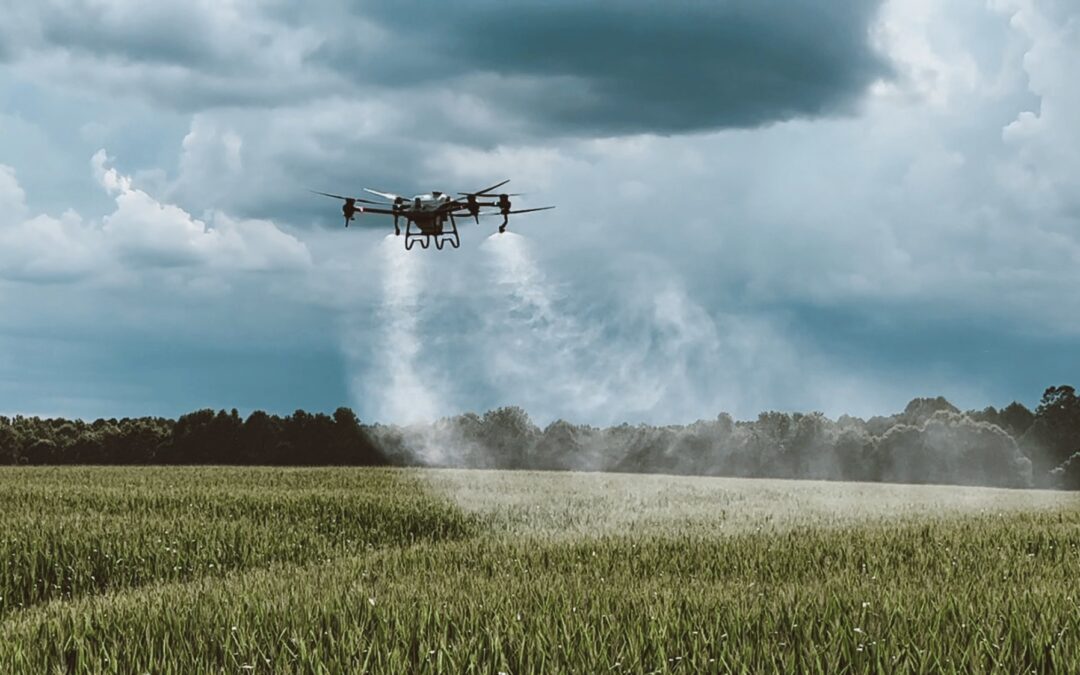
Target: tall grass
428 588
65 533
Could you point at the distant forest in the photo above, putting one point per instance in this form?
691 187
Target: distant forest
931 441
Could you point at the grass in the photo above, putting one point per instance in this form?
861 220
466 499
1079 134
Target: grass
341 570
65 533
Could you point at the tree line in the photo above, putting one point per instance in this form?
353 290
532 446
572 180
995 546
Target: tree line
931 441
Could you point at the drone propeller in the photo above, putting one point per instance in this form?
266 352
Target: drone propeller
511 213
505 212
385 195
486 190
539 208
354 199
349 209
472 205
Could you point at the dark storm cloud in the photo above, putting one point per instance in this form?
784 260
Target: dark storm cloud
180 56
628 67
538 67
154 33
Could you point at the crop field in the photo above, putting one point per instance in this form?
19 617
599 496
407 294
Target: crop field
242 570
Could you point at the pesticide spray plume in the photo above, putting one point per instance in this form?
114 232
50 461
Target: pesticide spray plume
518 274
532 347
540 343
407 397
560 360
643 356
403 392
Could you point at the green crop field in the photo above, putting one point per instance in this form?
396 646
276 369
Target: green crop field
240 570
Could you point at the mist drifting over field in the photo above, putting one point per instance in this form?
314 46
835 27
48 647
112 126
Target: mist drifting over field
494 320
553 366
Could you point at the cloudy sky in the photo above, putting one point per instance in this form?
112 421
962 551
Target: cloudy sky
762 204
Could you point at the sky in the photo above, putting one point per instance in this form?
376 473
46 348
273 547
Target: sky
803 205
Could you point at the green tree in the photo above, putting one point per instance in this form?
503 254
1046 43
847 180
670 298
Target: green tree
8 449
1055 433
1016 419
509 435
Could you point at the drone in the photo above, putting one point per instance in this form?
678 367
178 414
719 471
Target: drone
432 216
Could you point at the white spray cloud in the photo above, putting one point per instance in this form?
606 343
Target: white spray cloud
536 346
400 388
562 364
653 354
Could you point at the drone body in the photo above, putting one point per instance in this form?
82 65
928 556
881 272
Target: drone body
432 216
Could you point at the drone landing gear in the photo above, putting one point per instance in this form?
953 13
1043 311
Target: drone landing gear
419 236
453 240
452 237
411 238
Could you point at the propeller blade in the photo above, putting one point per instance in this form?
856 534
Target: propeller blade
510 213
485 190
371 224
541 208
327 194
385 195
461 203
355 199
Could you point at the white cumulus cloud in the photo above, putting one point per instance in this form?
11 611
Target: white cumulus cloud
140 233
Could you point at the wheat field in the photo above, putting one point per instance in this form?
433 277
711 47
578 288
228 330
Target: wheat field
265 570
